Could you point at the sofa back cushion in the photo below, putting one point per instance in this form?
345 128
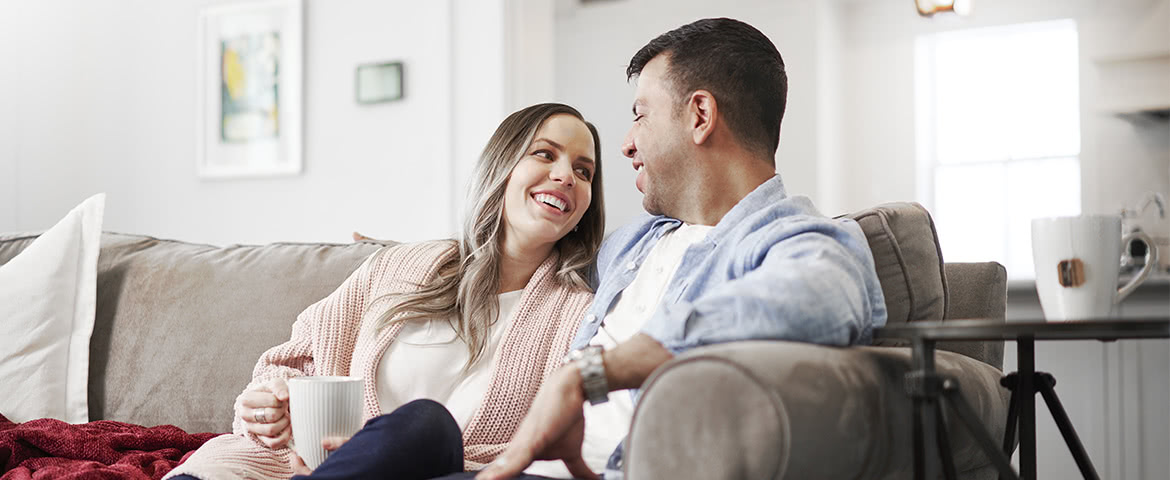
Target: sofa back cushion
908 260
179 326
917 284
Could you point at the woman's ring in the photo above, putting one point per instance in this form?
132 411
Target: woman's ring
258 416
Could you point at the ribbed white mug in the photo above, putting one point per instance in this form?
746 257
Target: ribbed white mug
321 407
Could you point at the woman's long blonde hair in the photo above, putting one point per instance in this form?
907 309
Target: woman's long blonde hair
465 288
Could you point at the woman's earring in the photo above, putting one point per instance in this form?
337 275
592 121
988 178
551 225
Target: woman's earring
575 227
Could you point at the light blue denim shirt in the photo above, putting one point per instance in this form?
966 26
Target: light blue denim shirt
773 268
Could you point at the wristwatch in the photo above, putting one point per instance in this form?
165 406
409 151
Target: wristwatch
589 362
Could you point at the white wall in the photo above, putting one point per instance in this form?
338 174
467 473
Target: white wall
8 145
99 96
503 62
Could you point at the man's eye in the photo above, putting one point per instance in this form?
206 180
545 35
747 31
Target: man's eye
638 117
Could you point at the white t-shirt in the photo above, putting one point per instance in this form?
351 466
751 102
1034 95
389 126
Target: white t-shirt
608 423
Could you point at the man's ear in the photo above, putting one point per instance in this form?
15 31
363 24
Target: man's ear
703 114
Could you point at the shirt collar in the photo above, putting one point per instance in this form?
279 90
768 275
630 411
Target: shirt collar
767 193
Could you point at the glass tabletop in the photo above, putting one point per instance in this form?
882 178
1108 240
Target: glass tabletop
984 329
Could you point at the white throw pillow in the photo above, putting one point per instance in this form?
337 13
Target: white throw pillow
48 294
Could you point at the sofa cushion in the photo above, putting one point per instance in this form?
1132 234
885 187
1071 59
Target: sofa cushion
47 301
179 326
908 260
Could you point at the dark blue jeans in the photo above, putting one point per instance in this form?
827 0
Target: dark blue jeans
419 440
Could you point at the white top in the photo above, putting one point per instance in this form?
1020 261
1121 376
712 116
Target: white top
608 423
427 360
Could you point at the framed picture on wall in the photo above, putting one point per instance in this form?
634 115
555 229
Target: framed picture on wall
249 90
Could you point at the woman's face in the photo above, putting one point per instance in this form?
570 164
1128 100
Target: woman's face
551 188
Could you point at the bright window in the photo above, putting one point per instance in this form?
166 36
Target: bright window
998 137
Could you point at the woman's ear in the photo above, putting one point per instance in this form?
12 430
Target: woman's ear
702 113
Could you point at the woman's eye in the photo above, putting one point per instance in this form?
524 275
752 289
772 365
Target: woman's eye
545 154
585 173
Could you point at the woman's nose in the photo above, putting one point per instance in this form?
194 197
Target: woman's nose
562 172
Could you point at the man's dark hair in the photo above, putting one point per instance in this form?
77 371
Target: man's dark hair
733 61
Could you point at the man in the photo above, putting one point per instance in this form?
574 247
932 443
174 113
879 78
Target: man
726 255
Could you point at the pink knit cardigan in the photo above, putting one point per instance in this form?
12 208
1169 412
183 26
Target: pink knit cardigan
334 337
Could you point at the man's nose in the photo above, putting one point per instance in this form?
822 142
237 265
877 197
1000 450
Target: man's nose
628 148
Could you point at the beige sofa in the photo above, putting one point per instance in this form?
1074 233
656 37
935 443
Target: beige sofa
179 327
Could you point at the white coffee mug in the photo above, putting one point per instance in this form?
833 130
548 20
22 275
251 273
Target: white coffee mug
1077 261
321 407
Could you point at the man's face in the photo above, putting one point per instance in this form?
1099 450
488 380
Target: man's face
656 141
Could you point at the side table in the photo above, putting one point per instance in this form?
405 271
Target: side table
931 392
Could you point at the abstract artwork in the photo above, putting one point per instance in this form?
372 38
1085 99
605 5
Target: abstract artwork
249 87
249 90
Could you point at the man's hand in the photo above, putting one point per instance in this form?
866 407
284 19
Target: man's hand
553 430
328 443
555 425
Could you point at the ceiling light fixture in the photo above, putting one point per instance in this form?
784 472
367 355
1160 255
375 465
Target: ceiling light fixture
927 8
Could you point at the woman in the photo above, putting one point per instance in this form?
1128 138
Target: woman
476 323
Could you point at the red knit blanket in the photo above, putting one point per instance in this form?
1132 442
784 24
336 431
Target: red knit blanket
104 449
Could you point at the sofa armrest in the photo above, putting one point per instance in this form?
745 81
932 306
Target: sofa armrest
772 409
977 290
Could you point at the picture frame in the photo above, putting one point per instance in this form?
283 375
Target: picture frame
378 82
249 89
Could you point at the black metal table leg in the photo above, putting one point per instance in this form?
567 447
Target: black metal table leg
1011 382
1046 383
1026 393
925 430
967 414
944 441
931 393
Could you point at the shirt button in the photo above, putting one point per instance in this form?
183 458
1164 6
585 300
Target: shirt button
591 318
631 266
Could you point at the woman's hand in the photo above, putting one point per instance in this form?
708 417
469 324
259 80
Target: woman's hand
328 443
264 410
